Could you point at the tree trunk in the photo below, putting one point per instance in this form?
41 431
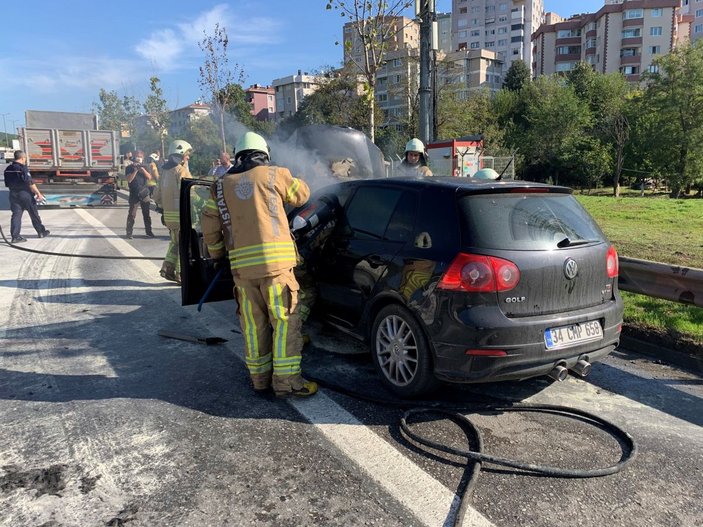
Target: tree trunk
372 117
618 171
222 129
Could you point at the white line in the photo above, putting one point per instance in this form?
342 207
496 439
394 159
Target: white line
409 484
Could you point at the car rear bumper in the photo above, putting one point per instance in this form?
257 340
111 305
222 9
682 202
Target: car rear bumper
487 330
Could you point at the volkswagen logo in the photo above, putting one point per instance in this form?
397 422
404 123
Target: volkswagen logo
571 268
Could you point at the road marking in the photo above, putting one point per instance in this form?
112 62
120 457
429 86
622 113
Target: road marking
404 480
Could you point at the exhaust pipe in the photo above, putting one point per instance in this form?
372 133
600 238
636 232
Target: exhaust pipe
559 373
582 368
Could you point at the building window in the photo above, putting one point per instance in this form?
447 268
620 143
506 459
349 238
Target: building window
568 33
699 12
517 27
502 30
502 19
657 12
633 13
516 51
502 42
490 44
590 43
655 50
698 28
475 9
474 21
490 32
564 66
655 31
474 33
631 33
568 50
462 10
515 39
630 70
628 52
461 46
653 68
475 45
462 22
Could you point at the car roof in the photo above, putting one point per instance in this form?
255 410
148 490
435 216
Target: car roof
461 184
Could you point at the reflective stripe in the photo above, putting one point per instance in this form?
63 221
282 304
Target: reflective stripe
171 215
210 204
259 364
280 332
249 325
286 370
260 248
216 246
293 189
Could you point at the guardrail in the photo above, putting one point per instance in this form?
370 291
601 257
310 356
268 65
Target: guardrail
670 282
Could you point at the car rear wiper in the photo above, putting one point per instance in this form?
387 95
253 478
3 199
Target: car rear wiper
566 242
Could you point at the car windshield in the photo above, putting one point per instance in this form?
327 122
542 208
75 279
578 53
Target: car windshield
531 221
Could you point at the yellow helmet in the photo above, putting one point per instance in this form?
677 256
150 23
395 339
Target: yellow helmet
251 142
180 147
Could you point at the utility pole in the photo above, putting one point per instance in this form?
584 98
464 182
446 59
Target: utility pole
7 143
425 9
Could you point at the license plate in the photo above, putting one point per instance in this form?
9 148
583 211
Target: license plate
572 335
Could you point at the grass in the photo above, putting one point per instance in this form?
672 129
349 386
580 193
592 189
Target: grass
660 229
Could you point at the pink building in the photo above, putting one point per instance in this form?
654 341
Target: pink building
263 102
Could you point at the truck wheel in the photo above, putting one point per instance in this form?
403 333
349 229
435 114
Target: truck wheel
401 354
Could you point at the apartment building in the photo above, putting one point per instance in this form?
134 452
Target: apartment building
404 34
444 32
262 100
397 83
694 11
501 26
180 119
468 70
290 91
624 36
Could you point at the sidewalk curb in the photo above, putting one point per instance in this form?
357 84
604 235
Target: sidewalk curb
689 362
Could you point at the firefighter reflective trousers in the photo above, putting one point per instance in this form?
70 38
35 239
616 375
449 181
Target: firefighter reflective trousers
271 328
172 261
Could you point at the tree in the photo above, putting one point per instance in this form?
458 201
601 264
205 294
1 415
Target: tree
216 75
157 111
675 94
473 115
517 76
111 113
374 25
204 135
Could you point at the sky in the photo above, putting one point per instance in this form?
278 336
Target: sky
58 55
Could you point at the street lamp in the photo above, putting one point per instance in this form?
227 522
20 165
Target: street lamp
7 144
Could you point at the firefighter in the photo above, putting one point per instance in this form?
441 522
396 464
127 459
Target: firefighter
415 162
167 198
245 220
486 173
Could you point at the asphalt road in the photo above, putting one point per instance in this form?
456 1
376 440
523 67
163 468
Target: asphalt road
106 423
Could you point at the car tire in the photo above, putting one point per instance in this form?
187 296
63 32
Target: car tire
401 353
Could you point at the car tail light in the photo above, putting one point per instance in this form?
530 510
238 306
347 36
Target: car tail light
611 263
477 273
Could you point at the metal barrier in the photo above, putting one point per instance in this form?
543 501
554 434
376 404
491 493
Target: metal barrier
671 282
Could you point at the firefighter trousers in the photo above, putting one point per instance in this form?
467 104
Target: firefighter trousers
268 313
172 261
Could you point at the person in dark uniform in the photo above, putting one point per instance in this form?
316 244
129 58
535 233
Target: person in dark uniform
138 178
24 195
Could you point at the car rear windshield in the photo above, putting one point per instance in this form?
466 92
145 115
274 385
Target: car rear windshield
526 221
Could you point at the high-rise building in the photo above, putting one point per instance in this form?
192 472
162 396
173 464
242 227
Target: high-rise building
694 11
500 26
624 36
263 101
290 91
444 36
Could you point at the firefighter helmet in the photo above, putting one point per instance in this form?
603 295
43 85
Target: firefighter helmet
486 173
250 142
179 147
415 145
154 157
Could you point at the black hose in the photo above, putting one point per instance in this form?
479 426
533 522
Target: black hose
475 458
100 256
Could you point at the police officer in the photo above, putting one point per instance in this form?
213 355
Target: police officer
245 220
24 195
415 162
167 198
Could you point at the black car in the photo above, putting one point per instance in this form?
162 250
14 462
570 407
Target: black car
452 279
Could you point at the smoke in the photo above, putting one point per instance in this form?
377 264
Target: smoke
313 153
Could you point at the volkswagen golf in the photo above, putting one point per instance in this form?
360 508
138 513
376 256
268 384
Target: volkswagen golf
448 279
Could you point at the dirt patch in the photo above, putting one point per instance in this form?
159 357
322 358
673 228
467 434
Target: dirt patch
43 480
126 515
664 339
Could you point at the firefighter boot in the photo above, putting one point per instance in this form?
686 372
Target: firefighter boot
168 271
303 389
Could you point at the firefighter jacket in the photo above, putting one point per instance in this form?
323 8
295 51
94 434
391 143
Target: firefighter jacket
154 171
407 170
167 194
245 220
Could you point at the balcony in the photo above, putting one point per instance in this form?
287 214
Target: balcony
633 22
565 41
570 57
631 59
631 41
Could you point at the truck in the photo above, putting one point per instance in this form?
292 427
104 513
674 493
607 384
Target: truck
65 148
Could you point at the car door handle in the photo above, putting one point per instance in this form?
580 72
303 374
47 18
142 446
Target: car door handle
374 260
